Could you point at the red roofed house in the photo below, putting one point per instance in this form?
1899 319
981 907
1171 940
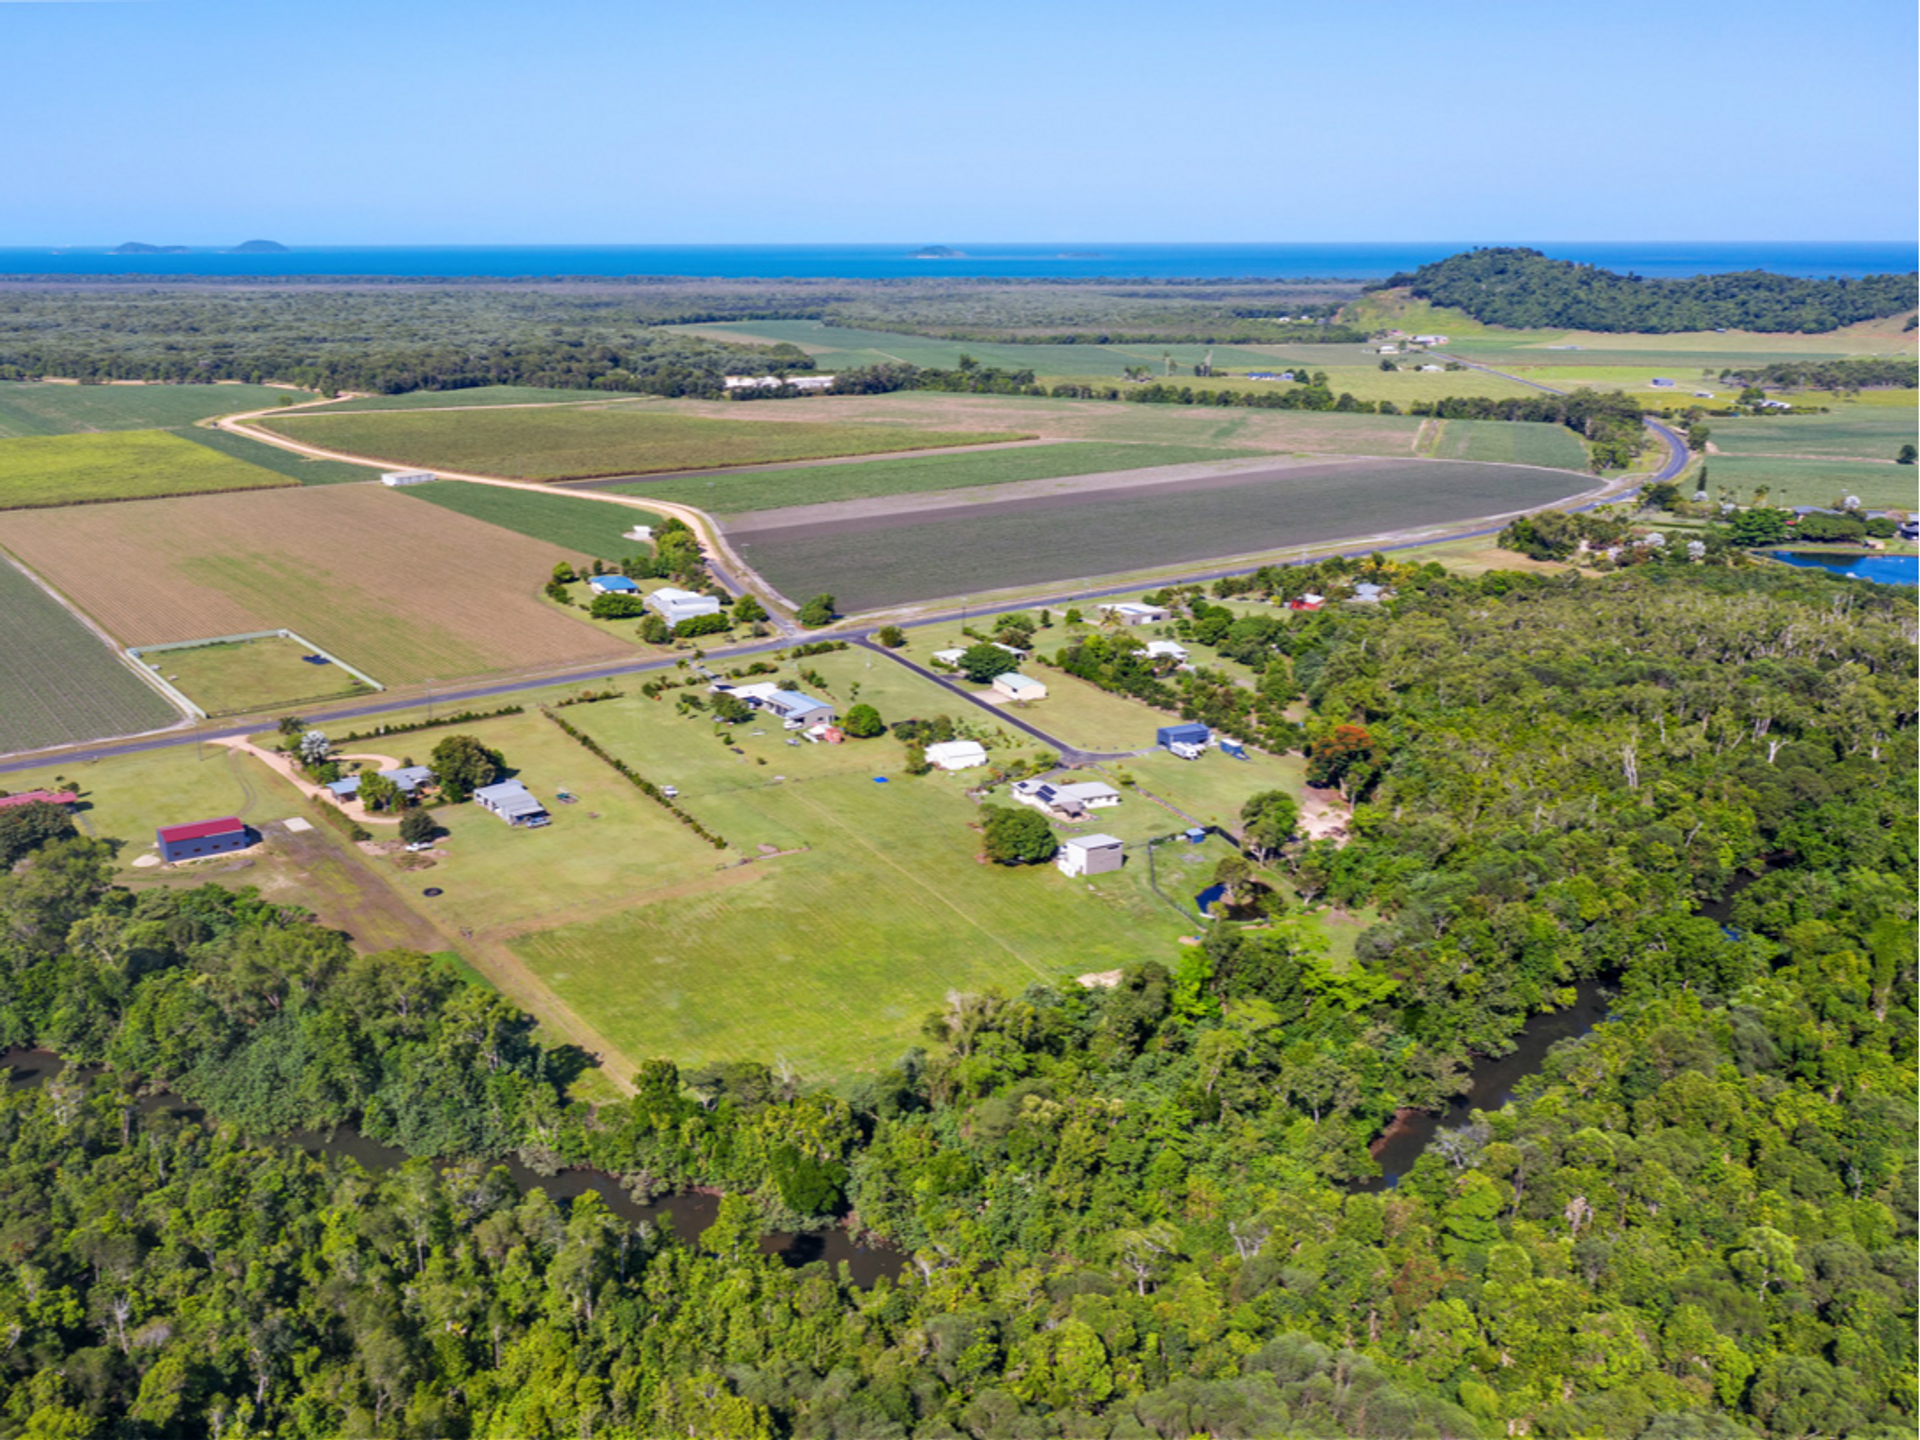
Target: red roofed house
44 797
203 837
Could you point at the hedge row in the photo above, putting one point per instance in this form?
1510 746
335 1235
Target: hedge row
465 717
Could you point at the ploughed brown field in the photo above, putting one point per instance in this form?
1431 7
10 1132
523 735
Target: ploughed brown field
404 591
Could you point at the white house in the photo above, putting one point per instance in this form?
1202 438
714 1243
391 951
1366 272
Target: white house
406 477
1368 594
947 657
677 605
1163 650
1089 855
957 754
1429 368
1429 339
1065 802
1016 686
797 710
639 532
774 382
1130 612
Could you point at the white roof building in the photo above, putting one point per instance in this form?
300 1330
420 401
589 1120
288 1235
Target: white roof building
1163 650
677 605
406 477
1089 855
1016 686
947 657
513 803
957 754
1131 612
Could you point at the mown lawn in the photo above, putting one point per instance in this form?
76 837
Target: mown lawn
564 442
242 677
583 527
125 465
816 484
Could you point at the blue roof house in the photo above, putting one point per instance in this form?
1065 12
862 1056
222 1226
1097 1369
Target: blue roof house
612 585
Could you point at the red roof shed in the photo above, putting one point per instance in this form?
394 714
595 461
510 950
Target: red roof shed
199 830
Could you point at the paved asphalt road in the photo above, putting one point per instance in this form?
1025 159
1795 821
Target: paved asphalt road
468 694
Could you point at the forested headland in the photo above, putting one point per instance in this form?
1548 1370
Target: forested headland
1131 1211
1524 290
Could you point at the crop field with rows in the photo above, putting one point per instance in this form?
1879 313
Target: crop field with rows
563 442
58 683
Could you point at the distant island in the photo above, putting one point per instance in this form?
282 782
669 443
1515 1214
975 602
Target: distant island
1080 255
245 247
938 252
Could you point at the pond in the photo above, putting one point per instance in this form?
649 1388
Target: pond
687 1213
1881 569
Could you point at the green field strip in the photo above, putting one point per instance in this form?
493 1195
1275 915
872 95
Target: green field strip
815 484
585 527
49 470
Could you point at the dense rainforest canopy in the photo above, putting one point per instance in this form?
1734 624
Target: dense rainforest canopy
1525 290
1131 1211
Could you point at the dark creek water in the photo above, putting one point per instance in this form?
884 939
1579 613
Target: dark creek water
1492 1085
1493 1082
687 1214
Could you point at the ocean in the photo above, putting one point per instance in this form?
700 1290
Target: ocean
1025 261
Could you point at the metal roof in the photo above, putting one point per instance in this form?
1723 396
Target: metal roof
1093 842
199 830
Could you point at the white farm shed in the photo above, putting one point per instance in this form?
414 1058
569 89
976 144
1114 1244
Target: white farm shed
406 477
677 605
957 754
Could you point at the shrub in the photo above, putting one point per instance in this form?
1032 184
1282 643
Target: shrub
1018 836
863 722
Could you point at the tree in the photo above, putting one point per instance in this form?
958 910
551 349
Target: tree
731 708
1343 754
1018 836
377 792
1748 528
616 607
314 747
891 636
1697 436
462 764
1906 456
563 573
983 662
25 828
749 611
863 722
417 826
1271 817
816 612
715 624
655 630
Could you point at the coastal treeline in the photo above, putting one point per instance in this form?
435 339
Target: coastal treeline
1131 1211
1524 290
1865 373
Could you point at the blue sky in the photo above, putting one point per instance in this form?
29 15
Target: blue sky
418 121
